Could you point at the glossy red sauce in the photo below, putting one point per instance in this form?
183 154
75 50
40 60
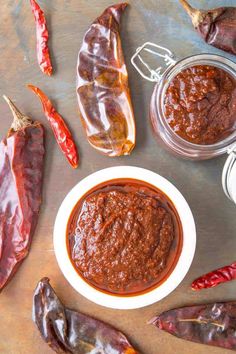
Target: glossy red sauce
200 104
124 237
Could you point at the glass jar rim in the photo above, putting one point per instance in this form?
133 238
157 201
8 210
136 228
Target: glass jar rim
160 90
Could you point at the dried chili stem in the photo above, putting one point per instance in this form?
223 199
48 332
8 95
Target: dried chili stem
202 322
216 26
19 120
189 9
196 15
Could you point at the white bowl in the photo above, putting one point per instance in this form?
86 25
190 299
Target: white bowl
182 266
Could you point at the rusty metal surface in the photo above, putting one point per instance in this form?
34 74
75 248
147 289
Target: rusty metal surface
161 21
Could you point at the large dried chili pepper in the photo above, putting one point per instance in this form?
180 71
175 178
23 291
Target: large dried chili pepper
61 131
215 278
21 170
102 87
216 26
213 324
42 39
68 331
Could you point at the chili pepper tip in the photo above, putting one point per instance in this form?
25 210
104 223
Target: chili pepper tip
75 166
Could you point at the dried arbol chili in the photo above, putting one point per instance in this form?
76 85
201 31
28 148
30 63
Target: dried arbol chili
213 324
60 129
215 277
21 170
102 87
42 36
216 26
68 331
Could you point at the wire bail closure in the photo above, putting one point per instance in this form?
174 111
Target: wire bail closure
162 52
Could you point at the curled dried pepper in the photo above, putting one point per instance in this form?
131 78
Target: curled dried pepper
68 331
216 26
21 172
102 87
61 131
213 324
42 36
215 278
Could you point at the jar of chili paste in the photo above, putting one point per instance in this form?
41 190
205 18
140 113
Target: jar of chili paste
193 106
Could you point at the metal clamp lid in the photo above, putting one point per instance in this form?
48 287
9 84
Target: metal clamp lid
162 52
229 171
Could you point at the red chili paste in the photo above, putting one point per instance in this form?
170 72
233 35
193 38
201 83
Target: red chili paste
125 237
200 104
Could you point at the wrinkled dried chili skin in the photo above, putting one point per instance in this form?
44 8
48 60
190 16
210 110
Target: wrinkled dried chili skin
219 28
21 169
102 87
42 37
215 278
61 131
213 324
67 331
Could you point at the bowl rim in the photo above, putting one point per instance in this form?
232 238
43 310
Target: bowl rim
185 259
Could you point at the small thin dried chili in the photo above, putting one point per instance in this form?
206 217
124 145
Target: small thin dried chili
213 324
68 331
42 36
216 26
61 131
215 278
102 87
21 172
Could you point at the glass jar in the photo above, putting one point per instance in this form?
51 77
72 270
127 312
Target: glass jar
163 76
229 175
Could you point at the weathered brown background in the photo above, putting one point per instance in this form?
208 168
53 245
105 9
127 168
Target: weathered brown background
161 21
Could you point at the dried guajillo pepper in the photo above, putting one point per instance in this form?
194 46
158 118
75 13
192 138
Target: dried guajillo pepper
61 131
21 172
102 87
216 26
213 324
215 277
42 35
68 331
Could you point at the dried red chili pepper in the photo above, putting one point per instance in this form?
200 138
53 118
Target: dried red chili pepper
42 39
21 170
61 131
215 278
68 331
216 26
102 87
213 324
